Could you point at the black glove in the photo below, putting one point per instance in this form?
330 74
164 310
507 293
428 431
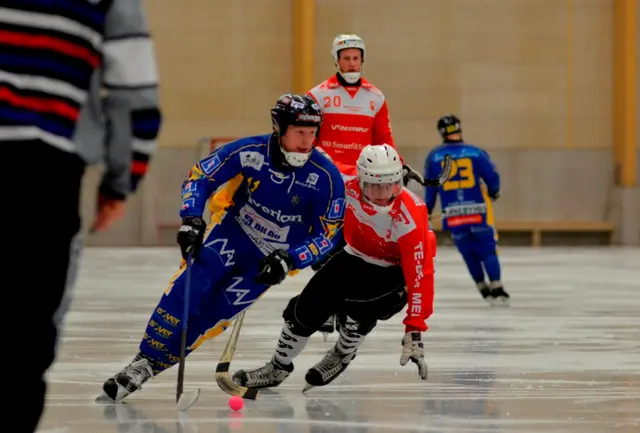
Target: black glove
411 174
495 196
274 268
191 235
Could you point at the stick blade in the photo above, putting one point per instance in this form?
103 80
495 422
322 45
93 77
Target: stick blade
444 174
226 383
187 399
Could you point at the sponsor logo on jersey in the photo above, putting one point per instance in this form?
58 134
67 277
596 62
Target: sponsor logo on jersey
336 210
312 179
399 216
225 253
188 203
210 163
466 209
323 244
277 214
337 127
464 214
415 303
355 108
265 234
343 146
253 160
304 255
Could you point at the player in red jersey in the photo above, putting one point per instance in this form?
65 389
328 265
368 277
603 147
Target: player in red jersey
355 114
389 251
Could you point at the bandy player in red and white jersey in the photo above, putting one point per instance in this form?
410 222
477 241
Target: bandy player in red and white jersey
355 114
386 265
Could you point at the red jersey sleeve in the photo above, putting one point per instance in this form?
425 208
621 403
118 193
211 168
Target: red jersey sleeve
417 250
382 127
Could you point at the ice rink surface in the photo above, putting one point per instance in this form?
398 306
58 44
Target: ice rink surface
565 357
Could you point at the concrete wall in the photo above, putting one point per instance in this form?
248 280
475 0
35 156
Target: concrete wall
531 80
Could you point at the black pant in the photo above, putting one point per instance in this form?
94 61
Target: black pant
347 285
46 223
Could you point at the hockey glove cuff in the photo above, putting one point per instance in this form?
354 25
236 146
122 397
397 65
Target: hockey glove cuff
191 235
274 268
413 350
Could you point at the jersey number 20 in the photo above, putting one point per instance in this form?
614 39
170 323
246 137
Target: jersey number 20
463 169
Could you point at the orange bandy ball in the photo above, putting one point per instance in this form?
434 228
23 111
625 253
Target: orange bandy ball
236 403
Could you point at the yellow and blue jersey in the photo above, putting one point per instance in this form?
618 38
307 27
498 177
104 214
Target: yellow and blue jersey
465 196
300 210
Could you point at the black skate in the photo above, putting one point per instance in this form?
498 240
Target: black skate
270 375
330 367
129 380
499 297
485 291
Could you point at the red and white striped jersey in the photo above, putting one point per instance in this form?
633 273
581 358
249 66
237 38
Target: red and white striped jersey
400 237
354 117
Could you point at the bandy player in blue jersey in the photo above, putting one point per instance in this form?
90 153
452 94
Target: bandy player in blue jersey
466 201
280 206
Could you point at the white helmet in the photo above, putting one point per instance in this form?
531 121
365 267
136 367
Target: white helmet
380 167
342 42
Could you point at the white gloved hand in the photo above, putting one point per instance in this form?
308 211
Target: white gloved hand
412 349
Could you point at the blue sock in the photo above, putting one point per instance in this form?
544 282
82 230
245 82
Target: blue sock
492 266
474 264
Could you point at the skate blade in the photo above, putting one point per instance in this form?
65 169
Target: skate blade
325 335
187 399
104 398
307 387
500 302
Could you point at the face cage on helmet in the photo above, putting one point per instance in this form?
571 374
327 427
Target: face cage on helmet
371 191
349 77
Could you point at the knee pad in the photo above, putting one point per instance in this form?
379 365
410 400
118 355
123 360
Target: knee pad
289 316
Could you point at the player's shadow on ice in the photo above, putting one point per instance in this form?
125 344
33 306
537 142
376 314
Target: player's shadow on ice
128 419
325 416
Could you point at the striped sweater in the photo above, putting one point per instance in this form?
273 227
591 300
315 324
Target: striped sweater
80 75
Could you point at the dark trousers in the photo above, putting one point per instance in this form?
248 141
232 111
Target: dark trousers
46 224
347 286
